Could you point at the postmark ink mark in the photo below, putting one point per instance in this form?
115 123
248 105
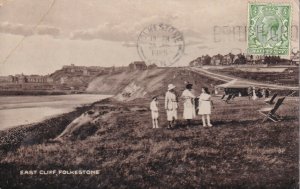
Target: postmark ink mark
160 44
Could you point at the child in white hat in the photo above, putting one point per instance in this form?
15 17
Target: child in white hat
154 112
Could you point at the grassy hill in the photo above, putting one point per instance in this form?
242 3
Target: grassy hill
129 85
238 152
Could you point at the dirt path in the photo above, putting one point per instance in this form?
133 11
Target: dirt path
246 82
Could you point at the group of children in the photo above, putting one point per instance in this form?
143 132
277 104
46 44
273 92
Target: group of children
191 106
258 93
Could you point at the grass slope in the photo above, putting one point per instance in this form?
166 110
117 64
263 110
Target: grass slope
148 83
238 152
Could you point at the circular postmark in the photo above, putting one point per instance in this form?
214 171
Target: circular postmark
160 44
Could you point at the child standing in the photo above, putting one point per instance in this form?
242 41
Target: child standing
154 112
205 105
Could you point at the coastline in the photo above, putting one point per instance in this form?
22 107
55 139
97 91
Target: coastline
44 131
128 152
39 92
35 109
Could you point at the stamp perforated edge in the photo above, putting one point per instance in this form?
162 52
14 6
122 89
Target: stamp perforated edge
274 3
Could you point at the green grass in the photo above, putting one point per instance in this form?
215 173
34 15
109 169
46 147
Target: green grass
238 152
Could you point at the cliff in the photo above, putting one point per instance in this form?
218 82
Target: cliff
130 85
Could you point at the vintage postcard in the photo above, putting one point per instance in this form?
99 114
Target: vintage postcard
149 94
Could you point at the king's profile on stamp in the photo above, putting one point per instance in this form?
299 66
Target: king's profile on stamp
269 29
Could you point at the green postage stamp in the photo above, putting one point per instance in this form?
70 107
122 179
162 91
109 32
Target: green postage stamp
269 29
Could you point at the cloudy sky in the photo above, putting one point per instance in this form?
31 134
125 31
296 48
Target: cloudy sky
39 36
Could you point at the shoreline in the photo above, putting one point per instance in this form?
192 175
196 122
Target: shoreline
23 130
43 128
39 121
41 107
32 93
43 93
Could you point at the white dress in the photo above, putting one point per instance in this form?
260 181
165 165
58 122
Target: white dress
204 104
154 109
189 111
254 97
171 106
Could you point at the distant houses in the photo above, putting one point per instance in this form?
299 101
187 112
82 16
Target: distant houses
69 77
83 70
240 59
72 69
21 78
70 73
7 79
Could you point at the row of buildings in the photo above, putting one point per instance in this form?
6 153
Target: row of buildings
21 78
67 71
243 59
84 70
96 70
70 70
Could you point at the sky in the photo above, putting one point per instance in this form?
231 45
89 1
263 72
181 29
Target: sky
40 36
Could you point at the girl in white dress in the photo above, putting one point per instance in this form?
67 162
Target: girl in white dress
189 112
205 105
254 97
154 112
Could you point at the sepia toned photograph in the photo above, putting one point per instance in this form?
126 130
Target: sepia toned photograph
149 94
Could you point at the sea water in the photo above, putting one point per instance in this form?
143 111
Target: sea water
21 110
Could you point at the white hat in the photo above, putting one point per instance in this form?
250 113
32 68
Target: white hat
171 86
